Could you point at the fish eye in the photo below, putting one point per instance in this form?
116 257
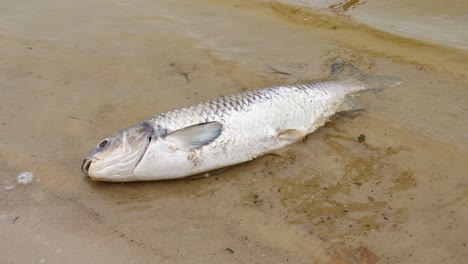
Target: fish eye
103 143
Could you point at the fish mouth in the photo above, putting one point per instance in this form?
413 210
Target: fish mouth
85 166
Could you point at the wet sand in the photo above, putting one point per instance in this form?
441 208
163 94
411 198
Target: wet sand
74 72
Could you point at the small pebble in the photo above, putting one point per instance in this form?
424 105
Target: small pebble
9 187
25 177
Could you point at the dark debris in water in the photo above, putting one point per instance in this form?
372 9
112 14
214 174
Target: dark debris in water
257 200
343 254
181 72
15 219
346 6
361 138
274 70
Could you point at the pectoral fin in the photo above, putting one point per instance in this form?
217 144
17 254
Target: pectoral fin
196 136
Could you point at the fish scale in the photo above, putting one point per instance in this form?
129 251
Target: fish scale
224 106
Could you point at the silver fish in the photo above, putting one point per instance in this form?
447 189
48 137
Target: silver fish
225 131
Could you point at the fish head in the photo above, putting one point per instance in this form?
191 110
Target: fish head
115 157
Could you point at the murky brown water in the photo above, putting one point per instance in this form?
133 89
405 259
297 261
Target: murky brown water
74 71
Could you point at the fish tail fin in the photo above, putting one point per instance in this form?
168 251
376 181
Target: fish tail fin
358 83
378 83
370 82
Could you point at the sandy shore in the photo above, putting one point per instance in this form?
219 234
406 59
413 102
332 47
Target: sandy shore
74 72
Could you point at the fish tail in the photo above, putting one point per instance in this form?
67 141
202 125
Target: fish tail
369 82
378 83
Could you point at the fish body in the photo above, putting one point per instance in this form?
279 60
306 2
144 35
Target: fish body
221 132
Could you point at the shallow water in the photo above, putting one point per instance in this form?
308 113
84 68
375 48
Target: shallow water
74 72
441 22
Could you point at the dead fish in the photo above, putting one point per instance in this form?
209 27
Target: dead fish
227 130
